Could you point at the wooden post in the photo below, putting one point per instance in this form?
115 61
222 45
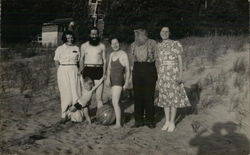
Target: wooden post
0 24
249 16
248 47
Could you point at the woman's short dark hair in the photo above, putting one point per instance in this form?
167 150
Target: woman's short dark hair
64 39
114 37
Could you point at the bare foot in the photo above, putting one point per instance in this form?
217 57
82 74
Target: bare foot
115 126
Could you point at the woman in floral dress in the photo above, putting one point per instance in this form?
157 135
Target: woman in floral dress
172 94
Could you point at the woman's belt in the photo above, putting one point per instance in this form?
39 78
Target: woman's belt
67 64
144 62
168 62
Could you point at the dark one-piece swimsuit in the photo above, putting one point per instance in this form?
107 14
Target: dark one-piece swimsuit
117 73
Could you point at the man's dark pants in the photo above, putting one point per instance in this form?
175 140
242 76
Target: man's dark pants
144 80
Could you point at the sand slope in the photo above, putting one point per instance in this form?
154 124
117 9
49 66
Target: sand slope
31 126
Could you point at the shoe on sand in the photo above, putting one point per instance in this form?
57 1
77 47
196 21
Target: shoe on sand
171 127
165 126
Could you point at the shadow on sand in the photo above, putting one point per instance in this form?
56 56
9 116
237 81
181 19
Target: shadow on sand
223 141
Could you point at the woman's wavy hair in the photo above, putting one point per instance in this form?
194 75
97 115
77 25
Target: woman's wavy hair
64 39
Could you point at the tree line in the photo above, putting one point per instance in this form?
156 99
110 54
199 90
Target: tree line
185 18
22 19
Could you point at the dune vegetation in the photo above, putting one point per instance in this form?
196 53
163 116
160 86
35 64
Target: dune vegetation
216 77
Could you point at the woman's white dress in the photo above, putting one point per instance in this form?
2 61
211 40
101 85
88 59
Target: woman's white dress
68 79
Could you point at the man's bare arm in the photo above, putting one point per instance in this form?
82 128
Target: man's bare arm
104 61
82 56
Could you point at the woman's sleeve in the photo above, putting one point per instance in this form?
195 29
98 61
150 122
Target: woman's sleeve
57 54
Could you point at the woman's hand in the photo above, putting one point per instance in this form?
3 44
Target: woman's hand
104 76
81 71
125 86
179 80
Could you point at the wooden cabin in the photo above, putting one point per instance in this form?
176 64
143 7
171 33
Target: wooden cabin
53 30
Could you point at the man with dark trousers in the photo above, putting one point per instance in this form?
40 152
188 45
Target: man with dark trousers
143 53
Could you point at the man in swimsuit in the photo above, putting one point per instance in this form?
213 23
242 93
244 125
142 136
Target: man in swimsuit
93 61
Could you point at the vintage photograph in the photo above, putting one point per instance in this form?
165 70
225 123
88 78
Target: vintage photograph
125 77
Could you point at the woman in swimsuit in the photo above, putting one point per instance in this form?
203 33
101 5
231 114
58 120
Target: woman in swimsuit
118 67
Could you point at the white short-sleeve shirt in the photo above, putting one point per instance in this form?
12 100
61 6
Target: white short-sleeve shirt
67 54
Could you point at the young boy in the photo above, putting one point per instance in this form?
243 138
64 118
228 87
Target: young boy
83 102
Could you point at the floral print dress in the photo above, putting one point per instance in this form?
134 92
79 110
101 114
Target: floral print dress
171 94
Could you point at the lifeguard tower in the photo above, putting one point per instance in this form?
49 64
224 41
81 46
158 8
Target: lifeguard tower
96 14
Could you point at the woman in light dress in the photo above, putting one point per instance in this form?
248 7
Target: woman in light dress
66 59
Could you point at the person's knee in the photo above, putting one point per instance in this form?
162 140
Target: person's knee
99 101
98 94
98 98
115 102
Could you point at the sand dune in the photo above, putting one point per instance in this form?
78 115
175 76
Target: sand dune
31 126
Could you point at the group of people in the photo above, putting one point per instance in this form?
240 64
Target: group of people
81 71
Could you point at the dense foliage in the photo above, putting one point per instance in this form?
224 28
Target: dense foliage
185 18
22 19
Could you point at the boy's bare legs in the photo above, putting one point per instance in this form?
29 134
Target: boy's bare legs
172 123
86 114
99 92
167 117
116 94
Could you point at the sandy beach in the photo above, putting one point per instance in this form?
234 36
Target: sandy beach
30 124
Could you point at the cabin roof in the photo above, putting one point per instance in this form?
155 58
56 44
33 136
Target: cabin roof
59 21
